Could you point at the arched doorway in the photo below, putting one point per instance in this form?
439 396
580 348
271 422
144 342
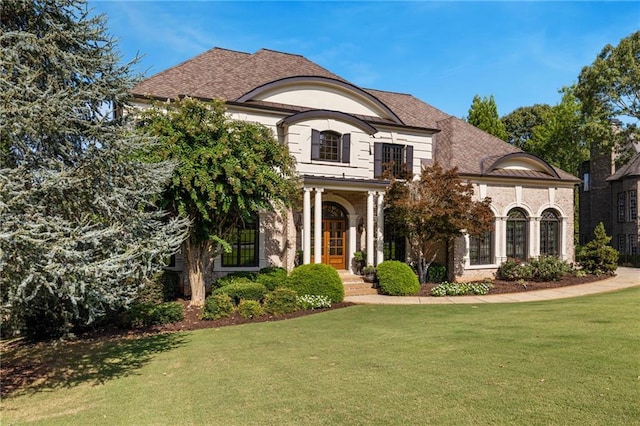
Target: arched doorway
334 235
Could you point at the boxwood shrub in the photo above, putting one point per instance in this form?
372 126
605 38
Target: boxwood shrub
317 279
145 314
272 277
243 290
217 306
397 279
250 309
233 277
281 301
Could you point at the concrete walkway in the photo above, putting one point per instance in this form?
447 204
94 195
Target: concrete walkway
626 277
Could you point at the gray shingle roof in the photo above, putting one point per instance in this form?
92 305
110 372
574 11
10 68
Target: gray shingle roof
631 169
228 74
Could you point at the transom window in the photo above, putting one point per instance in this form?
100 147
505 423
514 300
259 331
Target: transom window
549 235
481 248
244 246
517 236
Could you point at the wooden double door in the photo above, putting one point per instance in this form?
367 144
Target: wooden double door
334 236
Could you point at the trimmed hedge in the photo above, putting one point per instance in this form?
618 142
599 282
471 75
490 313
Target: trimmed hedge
217 306
234 277
272 277
250 309
397 279
145 314
281 301
243 290
317 279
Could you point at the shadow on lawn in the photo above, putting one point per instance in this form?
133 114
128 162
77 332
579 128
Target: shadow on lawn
31 368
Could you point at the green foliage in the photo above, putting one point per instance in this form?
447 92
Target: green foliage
460 289
513 270
434 210
217 306
272 277
146 314
233 277
243 290
281 301
397 279
162 287
312 301
436 273
317 279
521 122
597 256
484 115
548 268
250 309
228 170
79 230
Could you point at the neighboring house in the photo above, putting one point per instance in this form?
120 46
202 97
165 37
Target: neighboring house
609 194
342 136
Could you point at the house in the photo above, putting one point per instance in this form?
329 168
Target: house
609 194
341 136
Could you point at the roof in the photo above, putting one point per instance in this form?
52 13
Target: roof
228 74
631 169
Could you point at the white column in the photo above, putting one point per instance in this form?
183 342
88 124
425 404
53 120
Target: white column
534 237
563 237
501 240
380 229
306 226
317 227
466 259
351 246
370 248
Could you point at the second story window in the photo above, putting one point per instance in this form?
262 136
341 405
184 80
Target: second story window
633 205
330 146
621 206
392 158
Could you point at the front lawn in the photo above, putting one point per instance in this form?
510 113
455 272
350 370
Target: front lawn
570 361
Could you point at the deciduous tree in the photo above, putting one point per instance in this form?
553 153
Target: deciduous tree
79 231
228 171
484 115
433 210
519 124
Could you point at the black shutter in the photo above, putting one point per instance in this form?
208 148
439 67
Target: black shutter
409 157
377 159
346 148
315 144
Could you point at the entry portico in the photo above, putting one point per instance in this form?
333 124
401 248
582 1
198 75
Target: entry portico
362 202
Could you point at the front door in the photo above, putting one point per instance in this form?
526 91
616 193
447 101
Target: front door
334 243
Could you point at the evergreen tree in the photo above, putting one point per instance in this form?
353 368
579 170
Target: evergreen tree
79 232
484 115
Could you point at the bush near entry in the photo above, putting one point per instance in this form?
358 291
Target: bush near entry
317 279
397 279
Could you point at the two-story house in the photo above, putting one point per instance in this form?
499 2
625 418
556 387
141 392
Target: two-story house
341 136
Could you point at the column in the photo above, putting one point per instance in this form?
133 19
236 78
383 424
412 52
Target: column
351 245
534 237
370 247
466 259
306 226
501 240
317 229
380 229
562 237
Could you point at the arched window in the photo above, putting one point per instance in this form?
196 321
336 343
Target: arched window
549 233
330 146
517 235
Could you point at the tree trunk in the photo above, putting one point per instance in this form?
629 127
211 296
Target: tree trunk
194 255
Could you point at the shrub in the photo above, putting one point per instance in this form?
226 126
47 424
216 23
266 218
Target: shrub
145 314
513 270
597 257
436 273
250 309
272 277
243 290
233 277
162 287
548 268
397 279
217 306
317 279
312 301
281 301
460 289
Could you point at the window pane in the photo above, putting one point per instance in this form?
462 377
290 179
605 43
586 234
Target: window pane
480 249
330 146
621 206
516 234
549 234
244 246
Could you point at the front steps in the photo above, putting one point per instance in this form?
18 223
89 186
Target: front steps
355 285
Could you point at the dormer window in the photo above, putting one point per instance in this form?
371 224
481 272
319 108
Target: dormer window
330 146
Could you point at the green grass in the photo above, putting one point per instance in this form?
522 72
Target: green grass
572 361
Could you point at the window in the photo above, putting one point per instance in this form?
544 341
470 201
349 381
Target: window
517 234
586 184
633 244
244 246
622 243
392 158
330 146
481 249
394 247
633 205
621 199
549 235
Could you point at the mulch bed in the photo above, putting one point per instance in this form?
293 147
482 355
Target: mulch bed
16 374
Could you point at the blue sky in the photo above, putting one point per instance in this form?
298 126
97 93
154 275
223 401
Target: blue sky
444 53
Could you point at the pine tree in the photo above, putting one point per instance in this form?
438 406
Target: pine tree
484 115
79 231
